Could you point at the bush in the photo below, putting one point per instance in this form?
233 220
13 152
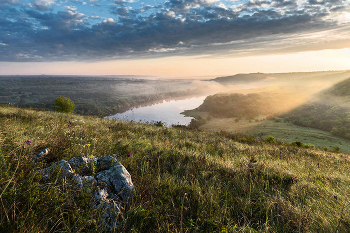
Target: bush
63 104
336 149
270 139
159 124
309 145
297 143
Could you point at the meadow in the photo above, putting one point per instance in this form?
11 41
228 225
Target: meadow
185 180
277 127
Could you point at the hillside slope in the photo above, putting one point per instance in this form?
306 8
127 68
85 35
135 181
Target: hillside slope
329 110
185 180
290 77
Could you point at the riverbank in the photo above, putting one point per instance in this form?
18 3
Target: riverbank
167 112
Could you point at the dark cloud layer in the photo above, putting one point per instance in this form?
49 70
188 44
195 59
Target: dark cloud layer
34 33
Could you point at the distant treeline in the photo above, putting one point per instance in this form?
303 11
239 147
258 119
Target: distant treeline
100 96
103 105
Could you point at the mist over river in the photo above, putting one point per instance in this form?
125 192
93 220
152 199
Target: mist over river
168 112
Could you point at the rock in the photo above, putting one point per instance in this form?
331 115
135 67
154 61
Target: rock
62 166
89 183
106 162
81 164
111 187
119 179
109 211
41 154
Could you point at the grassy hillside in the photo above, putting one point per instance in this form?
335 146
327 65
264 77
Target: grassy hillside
328 111
278 127
195 181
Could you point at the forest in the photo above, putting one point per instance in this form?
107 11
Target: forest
247 106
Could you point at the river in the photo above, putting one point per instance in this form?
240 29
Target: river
168 112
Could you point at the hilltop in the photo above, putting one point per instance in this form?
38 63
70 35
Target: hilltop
185 180
292 76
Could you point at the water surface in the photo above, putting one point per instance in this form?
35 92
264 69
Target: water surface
168 112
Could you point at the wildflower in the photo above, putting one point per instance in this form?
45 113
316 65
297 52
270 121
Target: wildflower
26 157
280 152
129 155
149 160
70 122
29 142
109 128
294 180
23 146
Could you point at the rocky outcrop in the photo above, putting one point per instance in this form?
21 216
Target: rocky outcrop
105 178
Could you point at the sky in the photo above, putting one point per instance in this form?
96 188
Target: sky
173 38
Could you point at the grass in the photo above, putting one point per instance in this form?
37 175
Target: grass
195 182
280 129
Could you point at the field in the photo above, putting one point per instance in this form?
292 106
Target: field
195 181
278 128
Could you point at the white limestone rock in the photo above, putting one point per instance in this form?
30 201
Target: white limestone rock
41 154
119 179
106 162
111 187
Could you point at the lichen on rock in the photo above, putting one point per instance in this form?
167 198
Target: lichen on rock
110 183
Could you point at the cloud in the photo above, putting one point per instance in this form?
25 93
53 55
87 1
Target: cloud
8 2
324 2
177 27
42 5
122 2
109 21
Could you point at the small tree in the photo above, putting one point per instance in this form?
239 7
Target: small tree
63 104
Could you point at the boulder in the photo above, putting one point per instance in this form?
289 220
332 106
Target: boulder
111 186
119 179
62 166
106 162
81 164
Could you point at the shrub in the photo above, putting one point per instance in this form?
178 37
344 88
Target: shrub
309 145
270 139
197 123
336 149
159 124
297 143
63 104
